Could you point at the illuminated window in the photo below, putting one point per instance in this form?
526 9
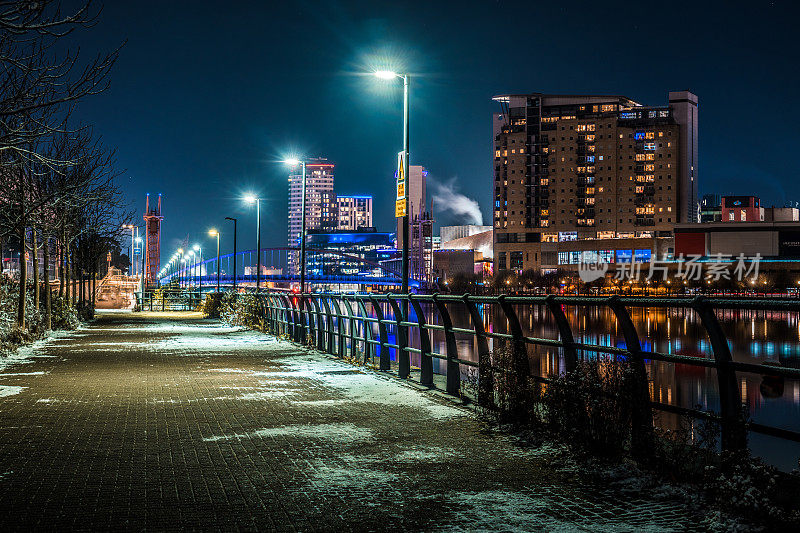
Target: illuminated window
497 153
650 135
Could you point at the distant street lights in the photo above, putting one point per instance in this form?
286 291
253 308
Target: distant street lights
254 199
215 233
234 251
293 162
390 75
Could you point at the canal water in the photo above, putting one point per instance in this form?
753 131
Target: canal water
754 337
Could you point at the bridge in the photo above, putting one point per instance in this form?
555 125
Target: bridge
323 268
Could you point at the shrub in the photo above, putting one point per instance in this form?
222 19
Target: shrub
212 305
590 408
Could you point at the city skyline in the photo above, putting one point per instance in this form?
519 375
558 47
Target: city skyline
245 119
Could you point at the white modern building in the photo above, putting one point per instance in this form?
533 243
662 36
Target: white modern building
354 212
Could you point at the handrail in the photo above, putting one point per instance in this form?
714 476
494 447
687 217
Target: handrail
338 331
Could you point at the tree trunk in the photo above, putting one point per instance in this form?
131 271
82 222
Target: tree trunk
35 256
23 277
60 268
47 296
66 272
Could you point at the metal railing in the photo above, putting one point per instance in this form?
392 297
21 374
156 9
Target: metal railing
168 300
355 326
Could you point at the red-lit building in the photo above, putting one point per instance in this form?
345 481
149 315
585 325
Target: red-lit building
742 209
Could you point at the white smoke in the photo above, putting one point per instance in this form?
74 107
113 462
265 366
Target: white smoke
448 198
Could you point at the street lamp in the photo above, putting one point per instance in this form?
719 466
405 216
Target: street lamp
254 199
293 162
234 251
390 75
199 267
133 229
215 233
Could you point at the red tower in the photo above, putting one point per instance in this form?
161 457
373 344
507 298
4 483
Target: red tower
152 250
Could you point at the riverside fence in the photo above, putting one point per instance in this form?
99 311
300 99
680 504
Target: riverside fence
394 330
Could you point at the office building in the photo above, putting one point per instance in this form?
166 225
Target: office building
420 225
354 212
320 202
583 177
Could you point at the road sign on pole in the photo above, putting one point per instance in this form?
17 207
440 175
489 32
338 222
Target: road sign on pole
400 204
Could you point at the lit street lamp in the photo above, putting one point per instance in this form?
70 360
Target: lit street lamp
250 199
293 162
131 227
215 233
234 251
199 267
390 75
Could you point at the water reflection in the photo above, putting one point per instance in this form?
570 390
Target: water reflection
754 337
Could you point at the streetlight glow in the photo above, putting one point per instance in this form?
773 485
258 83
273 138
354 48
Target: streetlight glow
292 161
250 198
213 232
386 74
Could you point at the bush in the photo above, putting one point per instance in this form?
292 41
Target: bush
591 407
241 310
64 315
212 305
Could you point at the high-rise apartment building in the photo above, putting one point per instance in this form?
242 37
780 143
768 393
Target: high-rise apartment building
585 178
320 201
354 212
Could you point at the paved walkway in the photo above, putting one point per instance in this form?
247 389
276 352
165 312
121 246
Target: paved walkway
167 421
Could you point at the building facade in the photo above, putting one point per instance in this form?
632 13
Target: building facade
354 212
451 233
320 202
741 209
594 174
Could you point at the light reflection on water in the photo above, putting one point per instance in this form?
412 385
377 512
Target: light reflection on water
753 337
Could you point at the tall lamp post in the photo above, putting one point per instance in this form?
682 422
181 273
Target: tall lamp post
390 75
179 266
133 230
234 251
215 233
294 162
199 267
254 199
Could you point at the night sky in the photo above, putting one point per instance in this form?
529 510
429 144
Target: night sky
207 97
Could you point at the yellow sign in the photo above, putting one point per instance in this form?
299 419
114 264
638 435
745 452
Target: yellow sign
401 190
400 208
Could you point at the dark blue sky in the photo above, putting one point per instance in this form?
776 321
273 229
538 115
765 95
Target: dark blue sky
207 96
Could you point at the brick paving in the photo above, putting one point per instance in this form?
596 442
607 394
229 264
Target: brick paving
168 421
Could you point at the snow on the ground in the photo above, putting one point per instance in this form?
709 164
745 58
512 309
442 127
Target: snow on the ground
503 510
10 390
340 433
360 386
24 354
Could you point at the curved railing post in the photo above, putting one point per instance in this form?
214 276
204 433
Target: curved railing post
340 327
425 359
565 332
641 410
403 358
293 319
367 328
384 363
318 328
733 431
351 321
485 376
520 397
329 323
453 368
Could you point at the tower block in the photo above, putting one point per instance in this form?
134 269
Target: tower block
152 250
